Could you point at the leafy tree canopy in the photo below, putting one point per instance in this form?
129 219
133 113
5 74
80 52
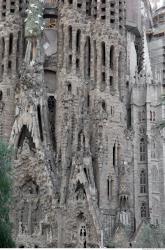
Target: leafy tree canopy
5 196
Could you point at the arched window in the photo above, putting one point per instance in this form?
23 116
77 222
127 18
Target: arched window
3 47
87 58
103 9
151 116
155 179
112 57
10 44
70 37
104 106
79 4
1 95
51 118
40 122
112 13
69 87
12 6
81 141
118 153
114 155
83 235
78 41
109 188
103 53
142 150
88 7
143 182
103 63
143 210
95 61
153 149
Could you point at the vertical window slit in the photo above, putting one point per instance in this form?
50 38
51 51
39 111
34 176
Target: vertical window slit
40 122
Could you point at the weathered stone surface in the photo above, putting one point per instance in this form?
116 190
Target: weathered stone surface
83 119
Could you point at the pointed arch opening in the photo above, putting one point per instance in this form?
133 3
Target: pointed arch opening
25 134
143 182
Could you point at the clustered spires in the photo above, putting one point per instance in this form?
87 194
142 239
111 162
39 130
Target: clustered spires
34 27
77 187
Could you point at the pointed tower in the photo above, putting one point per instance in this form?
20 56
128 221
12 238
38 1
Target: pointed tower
33 165
10 57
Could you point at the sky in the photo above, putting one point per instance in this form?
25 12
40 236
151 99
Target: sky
159 2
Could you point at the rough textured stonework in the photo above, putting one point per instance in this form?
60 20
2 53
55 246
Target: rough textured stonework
81 106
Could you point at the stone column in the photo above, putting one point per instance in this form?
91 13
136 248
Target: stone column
14 55
92 62
82 62
117 14
115 70
17 7
65 48
6 57
61 45
107 13
7 7
99 66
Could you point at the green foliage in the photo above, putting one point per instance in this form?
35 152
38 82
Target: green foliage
160 235
147 238
5 196
111 244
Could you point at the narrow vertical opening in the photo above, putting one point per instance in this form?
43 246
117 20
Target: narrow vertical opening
40 122
10 44
114 155
52 118
87 58
108 187
112 57
70 37
88 7
3 47
95 8
129 117
103 53
78 41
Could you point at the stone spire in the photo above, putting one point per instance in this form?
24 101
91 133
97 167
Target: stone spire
33 29
34 21
146 63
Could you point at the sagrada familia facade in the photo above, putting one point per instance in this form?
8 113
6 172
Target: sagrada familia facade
82 104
